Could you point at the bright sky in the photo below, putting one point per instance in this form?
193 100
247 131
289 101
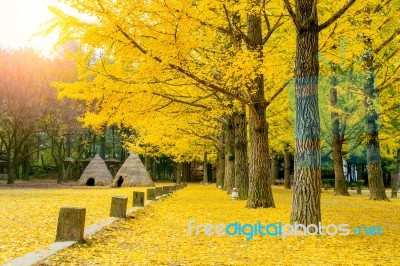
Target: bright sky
19 19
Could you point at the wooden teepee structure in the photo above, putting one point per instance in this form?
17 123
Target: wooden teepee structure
132 174
96 173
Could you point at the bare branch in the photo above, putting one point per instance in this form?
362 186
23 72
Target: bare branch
270 31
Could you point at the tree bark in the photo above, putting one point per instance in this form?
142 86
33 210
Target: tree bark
396 177
229 155
286 158
260 190
241 162
306 206
274 167
103 143
337 142
26 163
375 177
221 157
205 165
179 173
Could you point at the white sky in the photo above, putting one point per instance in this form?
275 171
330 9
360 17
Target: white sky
19 19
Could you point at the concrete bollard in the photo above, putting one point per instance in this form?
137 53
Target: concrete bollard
119 206
71 224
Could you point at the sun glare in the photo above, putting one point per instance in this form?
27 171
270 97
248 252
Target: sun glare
20 19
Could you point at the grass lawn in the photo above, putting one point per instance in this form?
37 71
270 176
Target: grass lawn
158 234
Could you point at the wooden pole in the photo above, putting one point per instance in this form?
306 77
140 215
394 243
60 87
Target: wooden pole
71 224
159 191
138 199
118 206
151 194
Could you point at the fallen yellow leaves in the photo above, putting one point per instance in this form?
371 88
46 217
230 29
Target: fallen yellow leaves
28 217
158 234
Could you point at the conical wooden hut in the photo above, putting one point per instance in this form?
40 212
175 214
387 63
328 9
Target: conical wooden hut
132 174
96 174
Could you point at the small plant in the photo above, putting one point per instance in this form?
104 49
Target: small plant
360 184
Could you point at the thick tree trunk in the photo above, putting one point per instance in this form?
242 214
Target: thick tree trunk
229 155
286 158
241 163
260 190
306 206
337 142
375 177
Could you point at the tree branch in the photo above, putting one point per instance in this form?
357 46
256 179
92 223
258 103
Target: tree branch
271 30
279 91
292 14
336 15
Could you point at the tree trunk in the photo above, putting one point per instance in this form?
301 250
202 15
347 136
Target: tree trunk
186 172
229 155
205 171
396 177
147 160
241 163
103 143
260 190
221 157
274 167
155 170
11 172
179 173
26 163
306 206
286 158
337 142
375 178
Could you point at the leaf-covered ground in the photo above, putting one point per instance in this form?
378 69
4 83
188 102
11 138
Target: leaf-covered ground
158 234
28 217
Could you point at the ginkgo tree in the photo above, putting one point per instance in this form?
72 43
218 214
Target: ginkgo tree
183 44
